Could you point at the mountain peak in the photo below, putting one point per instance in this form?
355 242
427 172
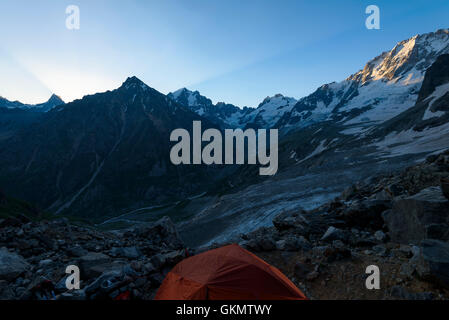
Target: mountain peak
190 98
414 54
133 82
177 93
55 100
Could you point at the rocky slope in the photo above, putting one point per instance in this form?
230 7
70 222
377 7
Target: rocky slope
398 222
121 266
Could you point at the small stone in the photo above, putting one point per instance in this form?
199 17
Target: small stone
333 233
380 236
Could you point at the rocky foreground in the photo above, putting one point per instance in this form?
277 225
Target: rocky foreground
114 265
399 222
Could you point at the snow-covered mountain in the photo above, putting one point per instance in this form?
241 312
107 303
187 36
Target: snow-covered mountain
269 111
224 114
385 87
41 107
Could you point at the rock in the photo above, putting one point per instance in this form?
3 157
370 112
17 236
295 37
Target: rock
77 251
366 214
380 236
73 295
173 257
349 193
161 232
148 268
290 220
126 252
445 187
156 279
97 270
45 263
312 275
432 262
399 292
413 219
90 263
106 283
331 254
333 233
380 250
6 291
280 245
11 265
437 231
293 244
338 244
301 270
404 251
266 243
407 269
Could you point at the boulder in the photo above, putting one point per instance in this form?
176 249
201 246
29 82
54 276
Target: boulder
162 232
290 220
366 214
380 236
266 243
293 243
424 215
90 263
380 250
11 265
170 258
432 262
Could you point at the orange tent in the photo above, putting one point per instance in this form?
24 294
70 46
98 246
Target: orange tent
227 273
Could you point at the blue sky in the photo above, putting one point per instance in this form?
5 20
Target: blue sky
233 51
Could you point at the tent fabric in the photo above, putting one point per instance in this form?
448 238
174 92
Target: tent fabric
227 273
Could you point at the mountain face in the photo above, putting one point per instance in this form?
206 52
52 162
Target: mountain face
41 107
269 111
223 114
226 115
388 85
103 154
